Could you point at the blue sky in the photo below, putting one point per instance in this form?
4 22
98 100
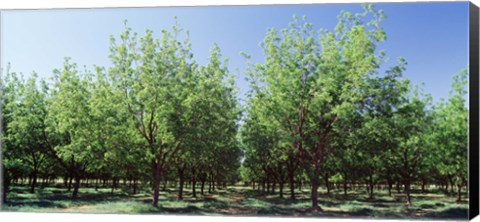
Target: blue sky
432 37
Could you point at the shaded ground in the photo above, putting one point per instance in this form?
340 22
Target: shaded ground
238 201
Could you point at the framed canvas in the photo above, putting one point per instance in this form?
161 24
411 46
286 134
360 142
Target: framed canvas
365 110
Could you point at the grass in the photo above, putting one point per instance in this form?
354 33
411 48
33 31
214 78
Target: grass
238 201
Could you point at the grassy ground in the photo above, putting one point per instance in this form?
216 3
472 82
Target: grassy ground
238 200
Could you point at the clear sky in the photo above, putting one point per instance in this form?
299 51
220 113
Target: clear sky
432 37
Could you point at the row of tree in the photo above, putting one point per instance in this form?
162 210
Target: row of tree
320 107
154 113
320 110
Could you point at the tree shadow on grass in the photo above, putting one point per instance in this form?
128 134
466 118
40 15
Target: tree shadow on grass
378 200
274 211
450 213
380 205
34 204
58 199
432 206
189 210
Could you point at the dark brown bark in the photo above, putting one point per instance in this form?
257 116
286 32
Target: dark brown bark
372 186
451 180
5 187
202 186
210 186
34 181
203 178
390 184
65 181
156 183
76 186
314 194
182 182
423 185
292 165
281 189
70 184
407 191
459 193
213 183
194 185
292 184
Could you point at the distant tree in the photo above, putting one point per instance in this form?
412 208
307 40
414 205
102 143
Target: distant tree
71 116
27 126
450 135
13 166
374 138
411 124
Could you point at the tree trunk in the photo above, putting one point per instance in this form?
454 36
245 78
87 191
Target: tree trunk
209 186
114 185
292 185
6 184
156 184
194 185
70 184
390 184
314 192
34 181
345 186
423 185
407 191
280 184
202 187
182 181
213 184
65 181
76 187
459 193
372 186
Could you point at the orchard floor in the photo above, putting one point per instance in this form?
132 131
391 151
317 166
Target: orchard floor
239 200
